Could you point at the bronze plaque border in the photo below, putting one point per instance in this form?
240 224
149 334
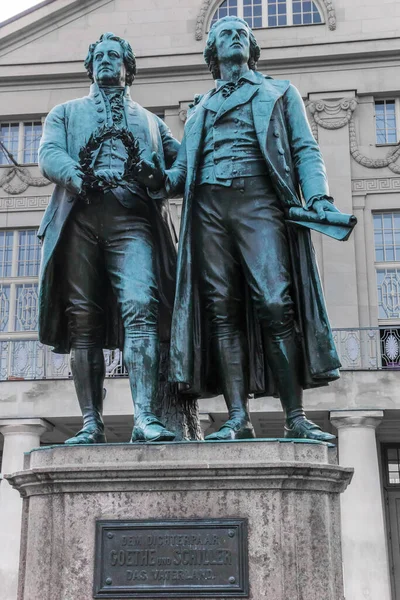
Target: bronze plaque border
239 591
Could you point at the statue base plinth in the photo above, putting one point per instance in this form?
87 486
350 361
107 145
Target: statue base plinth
262 521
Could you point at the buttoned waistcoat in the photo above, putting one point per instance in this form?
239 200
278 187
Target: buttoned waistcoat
295 166
67 128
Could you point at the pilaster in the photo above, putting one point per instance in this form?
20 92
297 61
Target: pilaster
20 436
365 558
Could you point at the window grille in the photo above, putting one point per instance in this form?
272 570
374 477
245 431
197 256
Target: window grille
270 13
19 270
387 250
26 307
391 457
388 282
21 140
4 307
385 122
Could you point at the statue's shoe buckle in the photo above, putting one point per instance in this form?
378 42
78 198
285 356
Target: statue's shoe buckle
233 429
150 429
88 435
305 429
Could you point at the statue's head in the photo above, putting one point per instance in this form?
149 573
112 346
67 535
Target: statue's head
110 61
230 39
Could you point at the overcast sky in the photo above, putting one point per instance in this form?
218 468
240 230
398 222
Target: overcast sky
10 8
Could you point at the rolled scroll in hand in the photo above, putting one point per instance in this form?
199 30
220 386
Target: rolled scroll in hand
336 224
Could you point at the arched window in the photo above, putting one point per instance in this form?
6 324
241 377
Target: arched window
270 13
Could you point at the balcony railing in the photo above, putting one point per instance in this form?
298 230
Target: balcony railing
365 348
368 348
29 359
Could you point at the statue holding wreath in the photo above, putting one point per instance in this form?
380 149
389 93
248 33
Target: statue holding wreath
108 262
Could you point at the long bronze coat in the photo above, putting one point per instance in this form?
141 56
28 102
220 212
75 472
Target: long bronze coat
293 162
67 128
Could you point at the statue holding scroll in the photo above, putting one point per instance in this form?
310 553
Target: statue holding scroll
249 313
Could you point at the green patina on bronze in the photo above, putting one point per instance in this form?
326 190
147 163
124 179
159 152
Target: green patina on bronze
249 313
108 262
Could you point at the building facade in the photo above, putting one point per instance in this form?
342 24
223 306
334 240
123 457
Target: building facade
343 55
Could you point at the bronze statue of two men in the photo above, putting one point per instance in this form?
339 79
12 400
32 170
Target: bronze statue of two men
246 314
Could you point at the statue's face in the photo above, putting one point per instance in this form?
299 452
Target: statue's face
108 63
232 42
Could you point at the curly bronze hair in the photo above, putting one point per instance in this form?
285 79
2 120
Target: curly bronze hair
128 56
210 52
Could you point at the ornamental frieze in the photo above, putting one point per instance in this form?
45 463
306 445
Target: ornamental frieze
331 115
16 180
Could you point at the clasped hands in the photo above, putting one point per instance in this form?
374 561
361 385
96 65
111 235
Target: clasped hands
150 173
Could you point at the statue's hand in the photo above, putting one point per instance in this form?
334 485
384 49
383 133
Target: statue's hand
323 206
76 182
150 174
108 178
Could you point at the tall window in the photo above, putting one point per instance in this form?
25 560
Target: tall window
270 13
21 139
252 12
9 136
228 7
277 13
19 270
387 266
391 456
387 263
305 13
385 122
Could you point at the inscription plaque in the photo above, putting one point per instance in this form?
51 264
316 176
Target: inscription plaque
171 559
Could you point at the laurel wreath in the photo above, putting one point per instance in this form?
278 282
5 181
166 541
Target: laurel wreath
91 181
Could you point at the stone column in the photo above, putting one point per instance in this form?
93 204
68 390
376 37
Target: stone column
365 558
20 435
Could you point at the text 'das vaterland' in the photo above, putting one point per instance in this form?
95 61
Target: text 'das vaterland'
171 559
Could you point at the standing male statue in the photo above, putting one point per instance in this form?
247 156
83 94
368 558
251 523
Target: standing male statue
249 311
108 263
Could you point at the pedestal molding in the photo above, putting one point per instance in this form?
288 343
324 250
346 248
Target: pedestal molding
286 476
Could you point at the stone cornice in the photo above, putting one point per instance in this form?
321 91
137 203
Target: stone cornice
253 465
322 55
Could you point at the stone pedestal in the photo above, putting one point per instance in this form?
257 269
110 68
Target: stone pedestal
288 492
20 435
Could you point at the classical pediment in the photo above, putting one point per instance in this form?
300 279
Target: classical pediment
55 31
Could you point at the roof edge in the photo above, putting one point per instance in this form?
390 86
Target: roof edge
25 12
